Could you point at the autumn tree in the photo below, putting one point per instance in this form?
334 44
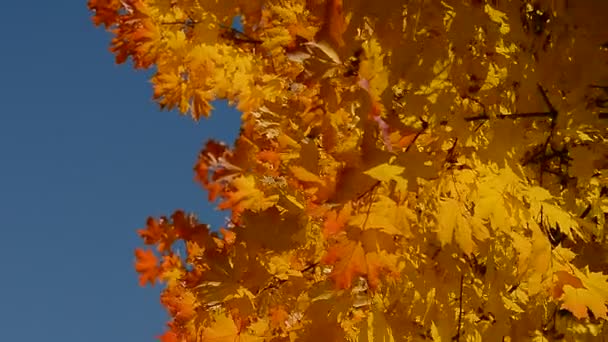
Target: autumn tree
405 169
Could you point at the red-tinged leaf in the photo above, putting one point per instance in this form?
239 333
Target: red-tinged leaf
168 336
335 222
187 228
406 140
214 189
563 278
146 265
578 300
106 11
377 262
181 304
229 235
153 232
271 157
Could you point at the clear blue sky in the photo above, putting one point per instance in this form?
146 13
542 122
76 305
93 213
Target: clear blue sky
85 157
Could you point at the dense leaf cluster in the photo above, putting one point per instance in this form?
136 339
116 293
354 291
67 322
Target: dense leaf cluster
406 170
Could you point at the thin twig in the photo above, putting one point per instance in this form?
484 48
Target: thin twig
369 208
367 191
548 114
460 308
551 113
425 125
604 87
186 22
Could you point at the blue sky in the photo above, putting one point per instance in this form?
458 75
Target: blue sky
85 157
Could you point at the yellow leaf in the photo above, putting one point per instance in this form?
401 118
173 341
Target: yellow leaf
372 68
498 17
386 215
594 294
540 260
451 224
496 76
557 217
435 333
378 329
577 300
223 329
304 175
279 267
386 172
248 196
446 220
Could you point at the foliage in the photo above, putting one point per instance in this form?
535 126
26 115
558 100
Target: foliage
406 170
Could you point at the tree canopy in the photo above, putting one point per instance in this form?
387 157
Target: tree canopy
405 169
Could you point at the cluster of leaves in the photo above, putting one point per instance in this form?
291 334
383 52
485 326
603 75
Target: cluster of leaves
406 170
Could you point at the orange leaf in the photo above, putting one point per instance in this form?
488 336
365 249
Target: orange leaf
564 278
180 303
168 336
106 11
380 261
152 233
271 157
229 235
214 190
582 292
335 222
348 258
147 266
578 300
247 196
278 316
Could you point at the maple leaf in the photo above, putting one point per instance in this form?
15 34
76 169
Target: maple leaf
351 259
589 292
247 196
229 235
168 336
224 329
564 278
336 221
453 224
348 258
153 232
578 300
181 303
386 172
172 269
386 215
106 11
482 125
146 265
